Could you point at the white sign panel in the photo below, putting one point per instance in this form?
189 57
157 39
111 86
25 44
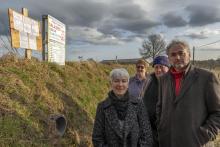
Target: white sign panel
34 28
32 42
56 52
23 40
57 30
56 41
27 24
18 21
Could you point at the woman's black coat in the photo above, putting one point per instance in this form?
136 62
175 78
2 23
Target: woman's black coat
136 132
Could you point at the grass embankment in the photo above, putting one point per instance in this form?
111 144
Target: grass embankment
31 91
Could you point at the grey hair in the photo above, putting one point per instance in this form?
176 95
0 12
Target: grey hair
119 73
177 42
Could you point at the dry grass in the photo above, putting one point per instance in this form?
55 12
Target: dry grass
31 91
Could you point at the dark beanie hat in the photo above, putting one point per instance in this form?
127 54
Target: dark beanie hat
162 60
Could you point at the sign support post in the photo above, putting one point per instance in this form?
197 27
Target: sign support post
28 52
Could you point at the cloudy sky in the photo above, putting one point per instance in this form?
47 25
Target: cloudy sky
104 29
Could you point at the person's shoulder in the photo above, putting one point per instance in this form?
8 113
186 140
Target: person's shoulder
104 103
132 78
151 78
136 101
203 72
207 76
151 74
164 76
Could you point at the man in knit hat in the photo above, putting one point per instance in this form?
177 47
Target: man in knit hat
161 66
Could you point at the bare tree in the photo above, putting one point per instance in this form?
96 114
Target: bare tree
153 46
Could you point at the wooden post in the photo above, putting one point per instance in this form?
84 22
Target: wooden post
43 37
28 52
193 55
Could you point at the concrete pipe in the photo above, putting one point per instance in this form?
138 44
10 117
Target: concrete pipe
58 124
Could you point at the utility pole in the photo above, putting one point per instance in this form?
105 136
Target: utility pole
44 39
193 55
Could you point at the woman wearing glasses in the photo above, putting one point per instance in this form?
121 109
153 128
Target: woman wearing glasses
121 120
138 82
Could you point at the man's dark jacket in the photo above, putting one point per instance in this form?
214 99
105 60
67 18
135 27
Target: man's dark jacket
150 100
191 119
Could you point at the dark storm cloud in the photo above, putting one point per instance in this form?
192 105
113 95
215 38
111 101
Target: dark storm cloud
116 18
136 26
106 17
87 13
72 13
172 20
200 15
132 18
196 36
81 13
4 26
128 11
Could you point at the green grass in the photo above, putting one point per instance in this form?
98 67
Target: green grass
31 91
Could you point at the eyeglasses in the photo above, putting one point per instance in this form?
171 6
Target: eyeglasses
180 53
139 66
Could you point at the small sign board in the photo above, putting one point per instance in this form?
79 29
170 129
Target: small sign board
25 32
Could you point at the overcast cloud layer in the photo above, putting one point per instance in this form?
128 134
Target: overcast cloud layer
115 22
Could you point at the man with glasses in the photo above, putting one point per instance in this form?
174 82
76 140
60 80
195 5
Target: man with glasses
138 82
188 108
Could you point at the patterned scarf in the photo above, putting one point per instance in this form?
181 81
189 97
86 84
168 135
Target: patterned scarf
120 104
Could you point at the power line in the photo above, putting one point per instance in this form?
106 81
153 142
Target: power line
208 44
203 46
214 49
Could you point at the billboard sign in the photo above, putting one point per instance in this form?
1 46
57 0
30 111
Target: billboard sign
56 40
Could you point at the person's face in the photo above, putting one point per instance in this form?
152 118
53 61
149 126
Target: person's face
119 86
141 69
179 57
160 70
